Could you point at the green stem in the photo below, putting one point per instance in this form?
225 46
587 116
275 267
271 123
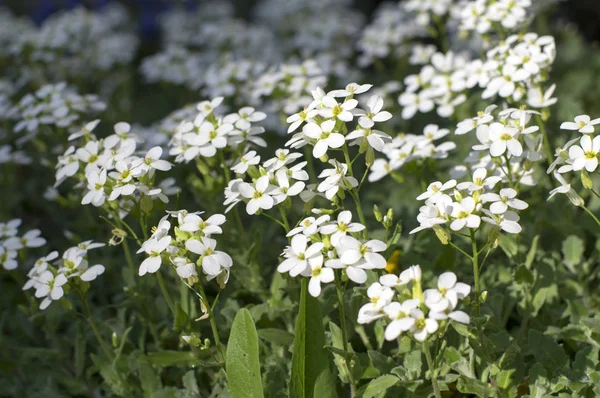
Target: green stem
436 388
240 226
591 214
211 318
460 250
90 319
547 145
340 297
475 260
129 260
284 219
359 210
165 292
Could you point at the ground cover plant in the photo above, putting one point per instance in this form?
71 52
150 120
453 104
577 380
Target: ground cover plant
307 201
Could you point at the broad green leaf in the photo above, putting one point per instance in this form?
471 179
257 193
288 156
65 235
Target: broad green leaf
547 351
377 387
311 376
473 386
242 360
585 361
413 364
538 381
522 275
572 249
190 384
276 336
149 379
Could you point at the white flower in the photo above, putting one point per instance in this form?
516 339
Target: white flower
412 103
318 275
422 327
376 139
309 226
299 256
567 190
379 296
282 157
343 225
259 195
10 228
96 194
298 118
582 123
184 267
207 107
50 287
351 89
336 111
412 273
480 180
364 254
335 179
507 221
152 160
245 116
586 155
154 248
373 113
469 124
400 314
501 202
447 294
92 273
504 138
435 190
8 258
284 190
324 136
249 159
463 214
194 223
213 261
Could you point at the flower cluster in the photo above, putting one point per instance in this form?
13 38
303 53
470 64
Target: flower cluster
482 15
508 144
206 133
50 273
52 105
79 41
273 182
110 169
406 148
11 244
464 207
438 85
517 67
320 246
420 313
192 247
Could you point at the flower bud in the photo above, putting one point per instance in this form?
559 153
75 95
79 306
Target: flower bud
441 234
370 158
586 180
324 158
115 340
377 213
483 297
493 235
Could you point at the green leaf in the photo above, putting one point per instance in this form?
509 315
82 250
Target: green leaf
538 381
547 351
276 336
311 376
190 384
473 386
242 361
413 364
181 318
572 249
522 275
532 251
377 387
508 244
149 379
